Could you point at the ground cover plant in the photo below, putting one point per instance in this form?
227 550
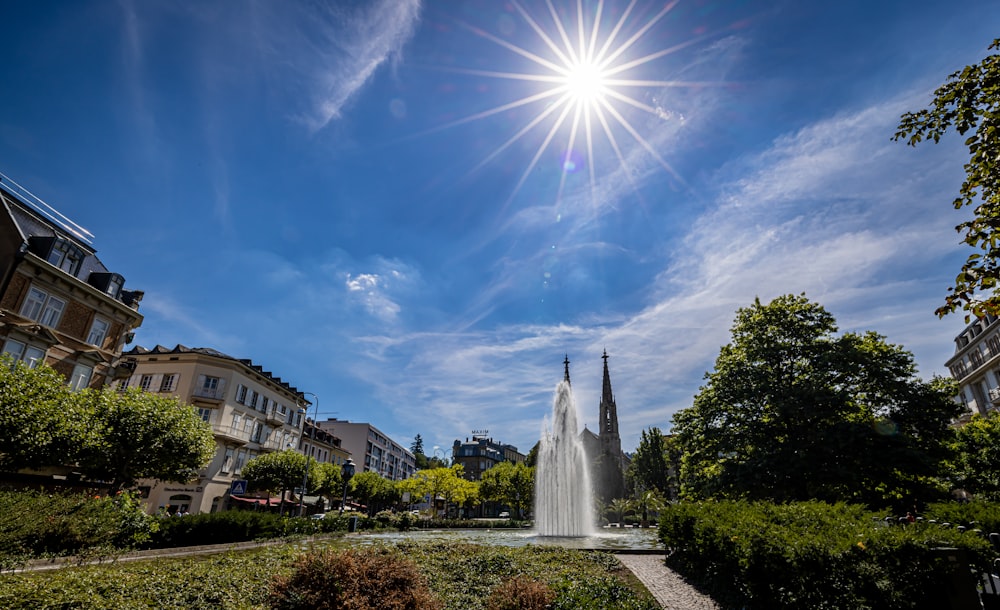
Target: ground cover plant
827 555
459 575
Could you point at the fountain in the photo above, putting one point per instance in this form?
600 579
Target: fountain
562 482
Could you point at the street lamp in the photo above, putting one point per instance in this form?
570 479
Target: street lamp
346 472
305 477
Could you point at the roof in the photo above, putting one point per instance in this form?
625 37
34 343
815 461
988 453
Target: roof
207 351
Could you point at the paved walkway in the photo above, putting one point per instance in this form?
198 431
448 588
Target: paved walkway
666 585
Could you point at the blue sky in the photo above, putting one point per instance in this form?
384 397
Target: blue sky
360 197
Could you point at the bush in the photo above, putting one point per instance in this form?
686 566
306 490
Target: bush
828 556
363 579
520 593
37 525
243 526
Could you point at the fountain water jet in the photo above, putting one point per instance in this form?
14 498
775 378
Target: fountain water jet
562 482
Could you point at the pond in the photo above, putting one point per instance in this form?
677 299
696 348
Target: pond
608 539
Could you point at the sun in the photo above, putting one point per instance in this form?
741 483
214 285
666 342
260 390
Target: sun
584 68
586 83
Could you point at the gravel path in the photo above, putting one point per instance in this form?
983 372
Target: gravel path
666 585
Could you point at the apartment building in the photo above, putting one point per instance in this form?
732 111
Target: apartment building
59 304
252 411
482 453
976 366
322 446
372 450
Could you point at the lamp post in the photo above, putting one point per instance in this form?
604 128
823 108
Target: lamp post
346 472
305 477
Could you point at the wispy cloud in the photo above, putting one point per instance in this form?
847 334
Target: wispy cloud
353 43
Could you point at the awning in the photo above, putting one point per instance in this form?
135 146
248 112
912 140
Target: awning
261 501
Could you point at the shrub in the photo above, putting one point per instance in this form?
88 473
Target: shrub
828 556
354 579
36 525
520 593
242 526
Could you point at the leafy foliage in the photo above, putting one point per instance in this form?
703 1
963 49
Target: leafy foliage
829 556
36 525
141 435
444 483
41 421
976 467
650 468
970 101
793 412
373 490
509 484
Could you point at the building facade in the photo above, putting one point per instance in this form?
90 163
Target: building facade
322 446
482 453
251 411
372 450
976 366
59 304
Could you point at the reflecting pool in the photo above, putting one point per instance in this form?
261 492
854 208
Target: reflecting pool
608 539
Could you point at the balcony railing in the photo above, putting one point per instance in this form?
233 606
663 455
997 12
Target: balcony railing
209 393
233 434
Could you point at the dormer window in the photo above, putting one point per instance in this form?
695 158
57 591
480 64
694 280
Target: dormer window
67 256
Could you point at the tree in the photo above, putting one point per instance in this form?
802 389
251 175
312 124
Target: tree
976 466
792 412
646 502
620 506
138 435
280 471
970 101
443 483
509 484
41 422
331 482
649 464
531 460
372 488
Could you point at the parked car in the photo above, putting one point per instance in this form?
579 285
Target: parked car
505 515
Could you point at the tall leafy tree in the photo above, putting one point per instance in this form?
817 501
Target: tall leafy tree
650 469
969 103
793 412
439 483
373 489
137 435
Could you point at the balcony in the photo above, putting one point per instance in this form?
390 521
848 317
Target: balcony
995 396
275 417
215 394
230 434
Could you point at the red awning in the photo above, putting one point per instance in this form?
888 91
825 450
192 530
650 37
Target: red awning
271 501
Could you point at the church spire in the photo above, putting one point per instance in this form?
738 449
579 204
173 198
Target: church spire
566 375
609 411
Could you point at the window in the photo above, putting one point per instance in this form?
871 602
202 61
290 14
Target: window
241 394
237 419
976 358
168 383
31 356
994 344
205 414
264 404
122 385
241 459
146 382
210 384
227 461
66 256
98 331
80 377
42 308
254 396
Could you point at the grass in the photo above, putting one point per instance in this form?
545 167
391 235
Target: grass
462 575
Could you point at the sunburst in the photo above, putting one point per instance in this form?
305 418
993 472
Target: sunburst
583 70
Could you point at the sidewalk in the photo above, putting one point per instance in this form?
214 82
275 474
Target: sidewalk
666 586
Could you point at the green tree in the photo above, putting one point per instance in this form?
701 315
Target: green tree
976 466
509 484
531 459
620 506
373 489
41 423
330 481
439 483
648 501
649 464
792 412
137 435
279 472
970 102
